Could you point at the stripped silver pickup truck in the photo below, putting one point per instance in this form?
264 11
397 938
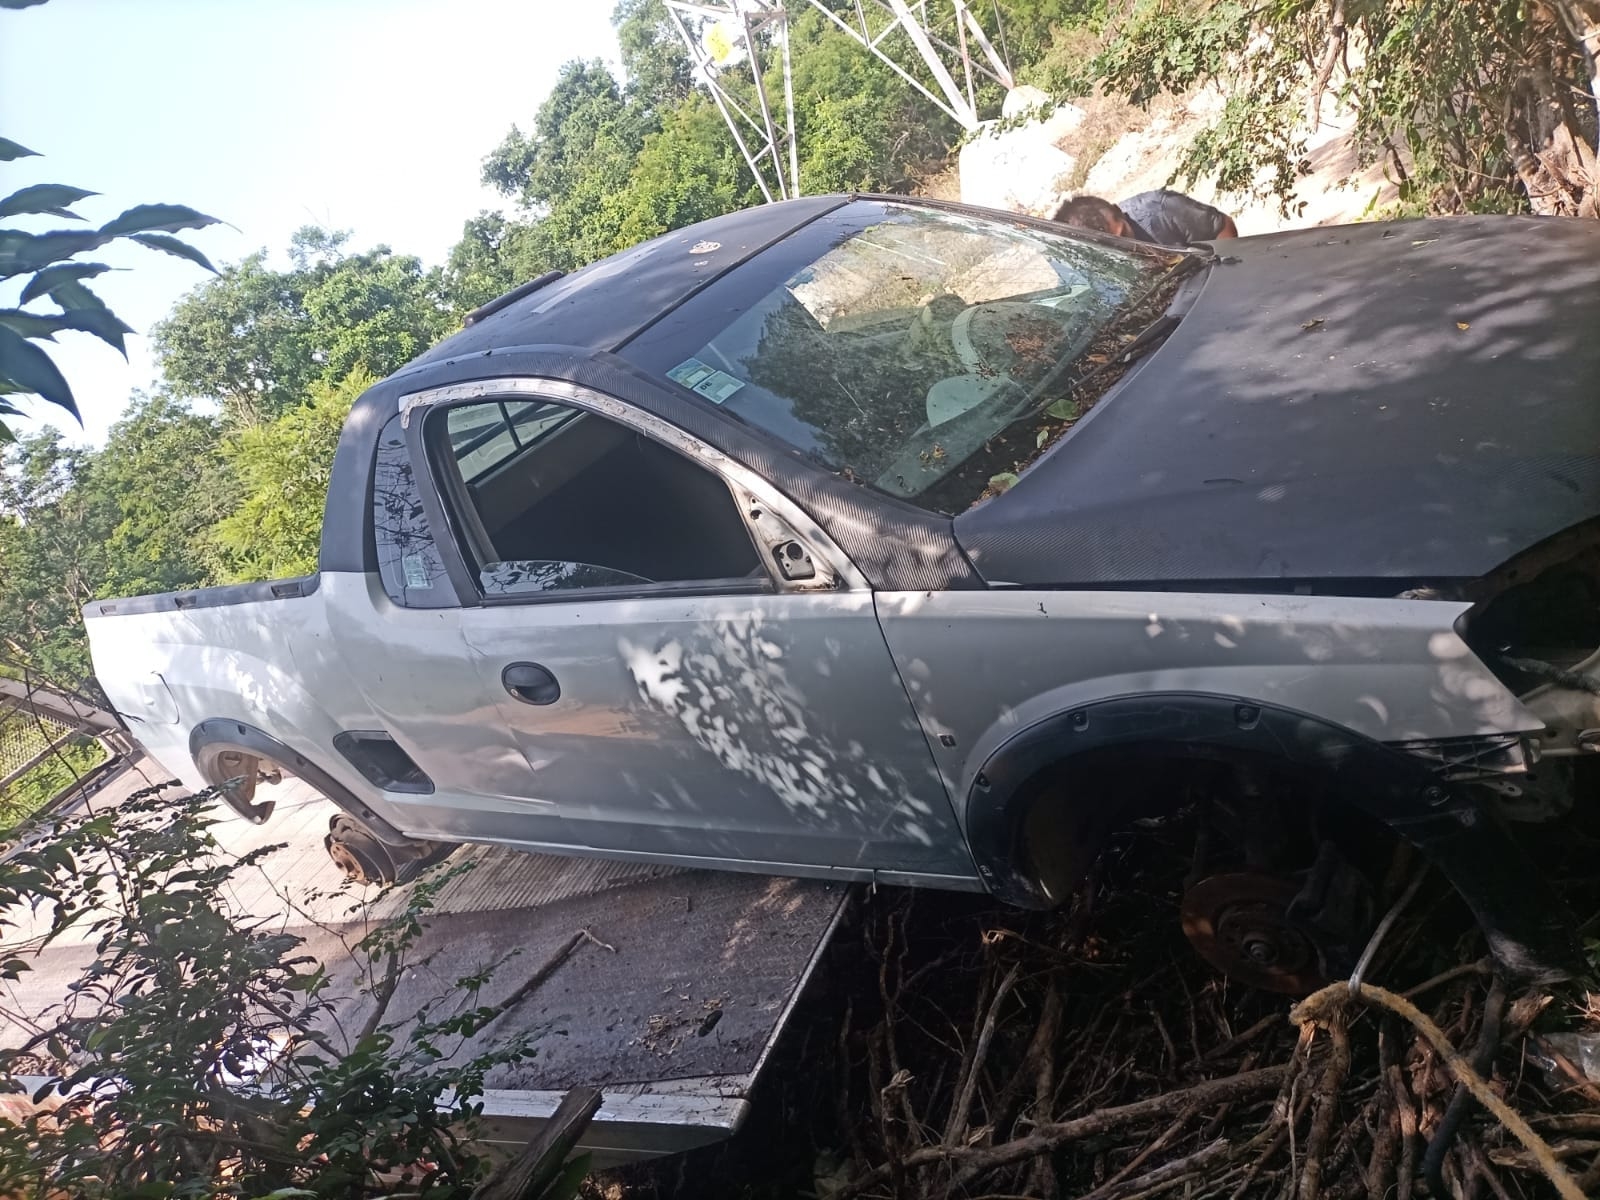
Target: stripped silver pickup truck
869 539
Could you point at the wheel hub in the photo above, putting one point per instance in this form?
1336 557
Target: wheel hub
1240 924
357 853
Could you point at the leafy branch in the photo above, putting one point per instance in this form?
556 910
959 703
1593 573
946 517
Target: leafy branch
49 262
198 1053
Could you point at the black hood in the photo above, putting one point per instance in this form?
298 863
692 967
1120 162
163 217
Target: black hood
1405 401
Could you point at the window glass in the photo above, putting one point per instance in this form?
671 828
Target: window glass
582 502
531 420
413 573
899 348
480 436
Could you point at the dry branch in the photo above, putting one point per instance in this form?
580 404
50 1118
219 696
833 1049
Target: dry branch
1045 1138
1321 1006
532 1171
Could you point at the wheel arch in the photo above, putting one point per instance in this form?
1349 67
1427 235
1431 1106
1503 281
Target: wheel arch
213 739
1528 929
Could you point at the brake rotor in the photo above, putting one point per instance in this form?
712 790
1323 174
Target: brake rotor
357 853
1240 924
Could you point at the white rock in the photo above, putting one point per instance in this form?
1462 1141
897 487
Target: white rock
1023 99
1021 169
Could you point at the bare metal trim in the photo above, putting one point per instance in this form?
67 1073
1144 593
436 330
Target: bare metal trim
630 1127
823 548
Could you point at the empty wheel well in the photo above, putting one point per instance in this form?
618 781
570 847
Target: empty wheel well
1281 811
1042 805
224 750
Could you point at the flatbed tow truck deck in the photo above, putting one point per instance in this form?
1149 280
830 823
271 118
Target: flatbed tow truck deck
665 988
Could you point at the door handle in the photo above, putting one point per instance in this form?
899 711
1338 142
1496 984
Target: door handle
531 683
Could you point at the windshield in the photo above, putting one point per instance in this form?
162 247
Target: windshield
902 349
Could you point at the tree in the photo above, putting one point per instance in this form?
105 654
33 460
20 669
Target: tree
78 525
658 72
581 113
1477 107
374 312
687 171
282 468
860 126
573 172
494 255
254 339
162 477
53 539
242 340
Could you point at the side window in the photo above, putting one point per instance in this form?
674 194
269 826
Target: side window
408 559
552 498
482 436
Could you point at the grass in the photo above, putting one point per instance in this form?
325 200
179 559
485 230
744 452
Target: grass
25 796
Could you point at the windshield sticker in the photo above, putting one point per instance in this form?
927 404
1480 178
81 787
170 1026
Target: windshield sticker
716 386
416 569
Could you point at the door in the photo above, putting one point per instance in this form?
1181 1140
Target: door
686 668
399 637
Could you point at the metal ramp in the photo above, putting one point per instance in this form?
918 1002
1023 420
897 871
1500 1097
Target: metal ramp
670 1001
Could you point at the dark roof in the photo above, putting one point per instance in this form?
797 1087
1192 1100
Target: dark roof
606 303
1415 400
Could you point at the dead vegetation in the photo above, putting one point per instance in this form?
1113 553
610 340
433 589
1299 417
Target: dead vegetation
1099 1058
1105 120
1090 1053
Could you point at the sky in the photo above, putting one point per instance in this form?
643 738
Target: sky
367 115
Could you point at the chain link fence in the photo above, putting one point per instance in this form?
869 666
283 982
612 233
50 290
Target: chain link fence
24 736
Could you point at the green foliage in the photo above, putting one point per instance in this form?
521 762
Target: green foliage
76 525
200 1054
21 798
254 339
1474 107
1171 46
241 339
44 265
684 173
374 312
860 126
282 469
492 257
1031 28
53 536
583 116
1253 133
163 479
845 146
654 61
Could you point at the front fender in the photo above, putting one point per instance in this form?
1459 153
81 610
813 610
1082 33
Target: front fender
1529 930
